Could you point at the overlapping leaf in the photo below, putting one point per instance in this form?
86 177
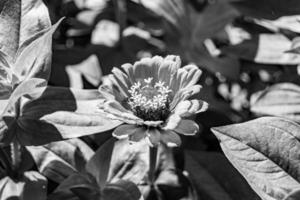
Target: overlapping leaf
266 152
282 99
30 186
60 113
58 160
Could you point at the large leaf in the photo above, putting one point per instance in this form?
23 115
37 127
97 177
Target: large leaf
282 99
58 160
61 113
30 186
20 20
266 152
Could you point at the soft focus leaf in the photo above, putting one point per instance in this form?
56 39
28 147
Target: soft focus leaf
61 113
282 99
89 69
272 50
30 186
190 28
20 20
294 195
269 9
58 160
265 152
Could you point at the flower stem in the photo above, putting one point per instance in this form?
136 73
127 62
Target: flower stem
15 149
152 164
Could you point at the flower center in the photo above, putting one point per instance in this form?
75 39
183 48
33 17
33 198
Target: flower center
150 101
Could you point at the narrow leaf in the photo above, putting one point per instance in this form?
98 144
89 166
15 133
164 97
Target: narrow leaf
266 152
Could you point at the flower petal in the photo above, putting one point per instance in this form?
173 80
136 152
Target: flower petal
117 84
152 123
116 109
128 68
187 127
172 122
124 131
138 135
184 94
189 107
170 138
147 67
192 77
153 135
121 78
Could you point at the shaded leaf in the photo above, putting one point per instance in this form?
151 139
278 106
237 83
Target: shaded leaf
121 190
265 152
214 182
61 113
281 99
30 186
293 196
20 20
58 160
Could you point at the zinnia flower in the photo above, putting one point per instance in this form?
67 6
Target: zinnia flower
154 98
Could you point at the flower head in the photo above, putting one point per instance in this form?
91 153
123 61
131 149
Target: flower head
153 98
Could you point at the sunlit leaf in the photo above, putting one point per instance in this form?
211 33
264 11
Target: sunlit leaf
265 151
282 99
20 20
58 160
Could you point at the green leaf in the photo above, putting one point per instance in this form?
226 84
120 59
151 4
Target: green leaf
58 160
20 20
266 152
281 99
30 186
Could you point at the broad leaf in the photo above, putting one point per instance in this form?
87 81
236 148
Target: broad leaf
282 99
30 186
58 160
266 152
20 20
61 113
294 195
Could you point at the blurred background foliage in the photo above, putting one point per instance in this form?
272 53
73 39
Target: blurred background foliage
242 46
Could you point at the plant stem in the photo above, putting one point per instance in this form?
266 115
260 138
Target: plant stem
152 164
15 149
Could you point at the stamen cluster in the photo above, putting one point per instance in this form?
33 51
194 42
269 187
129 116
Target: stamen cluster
149 101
